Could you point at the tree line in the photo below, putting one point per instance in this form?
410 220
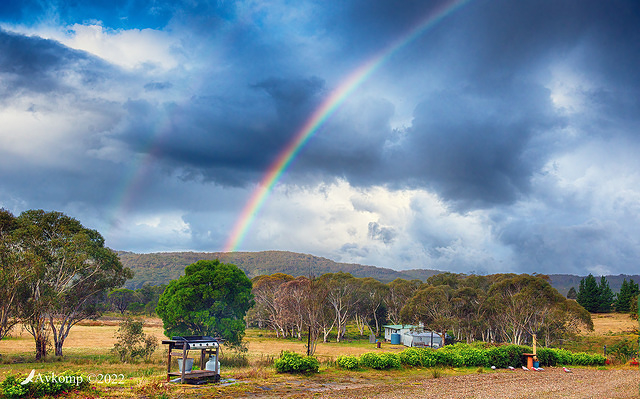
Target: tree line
498 308
138 301
599 298
54 273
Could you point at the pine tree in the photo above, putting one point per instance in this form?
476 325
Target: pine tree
623 299
628 291
589 294
634 290
606 296
572 293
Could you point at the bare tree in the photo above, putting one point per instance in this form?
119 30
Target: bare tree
342 296
266 293
399 293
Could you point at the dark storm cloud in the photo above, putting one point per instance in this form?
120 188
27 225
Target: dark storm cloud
38 65
478 148
491 124
572 248
467 110
230 141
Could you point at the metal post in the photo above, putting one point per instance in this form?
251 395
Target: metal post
309 343
169 360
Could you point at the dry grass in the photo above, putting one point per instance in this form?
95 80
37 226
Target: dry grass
266 346
82 338
87 350
612 323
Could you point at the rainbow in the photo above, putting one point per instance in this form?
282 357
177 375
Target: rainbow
320 116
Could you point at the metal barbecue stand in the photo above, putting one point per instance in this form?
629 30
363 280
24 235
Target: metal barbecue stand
206 345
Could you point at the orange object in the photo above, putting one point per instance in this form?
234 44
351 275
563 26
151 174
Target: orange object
529 357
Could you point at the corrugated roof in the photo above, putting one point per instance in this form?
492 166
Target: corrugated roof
400 326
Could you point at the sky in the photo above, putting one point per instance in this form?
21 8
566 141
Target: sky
485 136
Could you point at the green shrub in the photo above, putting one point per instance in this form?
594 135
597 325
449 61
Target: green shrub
498 357
348 362
470 356
11 387
290 362
546 357
624 350
43 385
449 356
418 357
380 361
562 356
587 359
133 342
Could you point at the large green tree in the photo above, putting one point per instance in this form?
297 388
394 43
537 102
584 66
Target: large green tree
14 268
212 299
606 296
70 272
589 294
628 290
432 307
121 298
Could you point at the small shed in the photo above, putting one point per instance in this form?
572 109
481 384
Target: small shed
428 339
398 329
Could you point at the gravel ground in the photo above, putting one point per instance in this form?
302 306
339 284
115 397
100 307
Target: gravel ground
552 383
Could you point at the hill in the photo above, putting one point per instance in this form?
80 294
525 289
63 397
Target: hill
162 267
564 282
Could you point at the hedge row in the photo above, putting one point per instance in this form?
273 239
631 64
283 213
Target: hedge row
464 355
290 362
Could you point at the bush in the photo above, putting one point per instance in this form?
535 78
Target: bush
43 385
348 362
624 350
587 359
133 342
467 355
380 361
418 357
290 362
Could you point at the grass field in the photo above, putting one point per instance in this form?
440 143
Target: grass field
87 350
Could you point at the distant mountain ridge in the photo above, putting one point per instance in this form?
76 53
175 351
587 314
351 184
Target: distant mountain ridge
162 267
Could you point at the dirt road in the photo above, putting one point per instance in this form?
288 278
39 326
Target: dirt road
552 383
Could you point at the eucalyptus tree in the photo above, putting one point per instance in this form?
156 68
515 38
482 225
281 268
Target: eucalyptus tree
14 268
432 307
371 308
70 273
398 293
342 296
529 304
266 291
469 312
121 298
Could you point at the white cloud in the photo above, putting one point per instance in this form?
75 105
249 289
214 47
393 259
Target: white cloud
149 49
336 220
